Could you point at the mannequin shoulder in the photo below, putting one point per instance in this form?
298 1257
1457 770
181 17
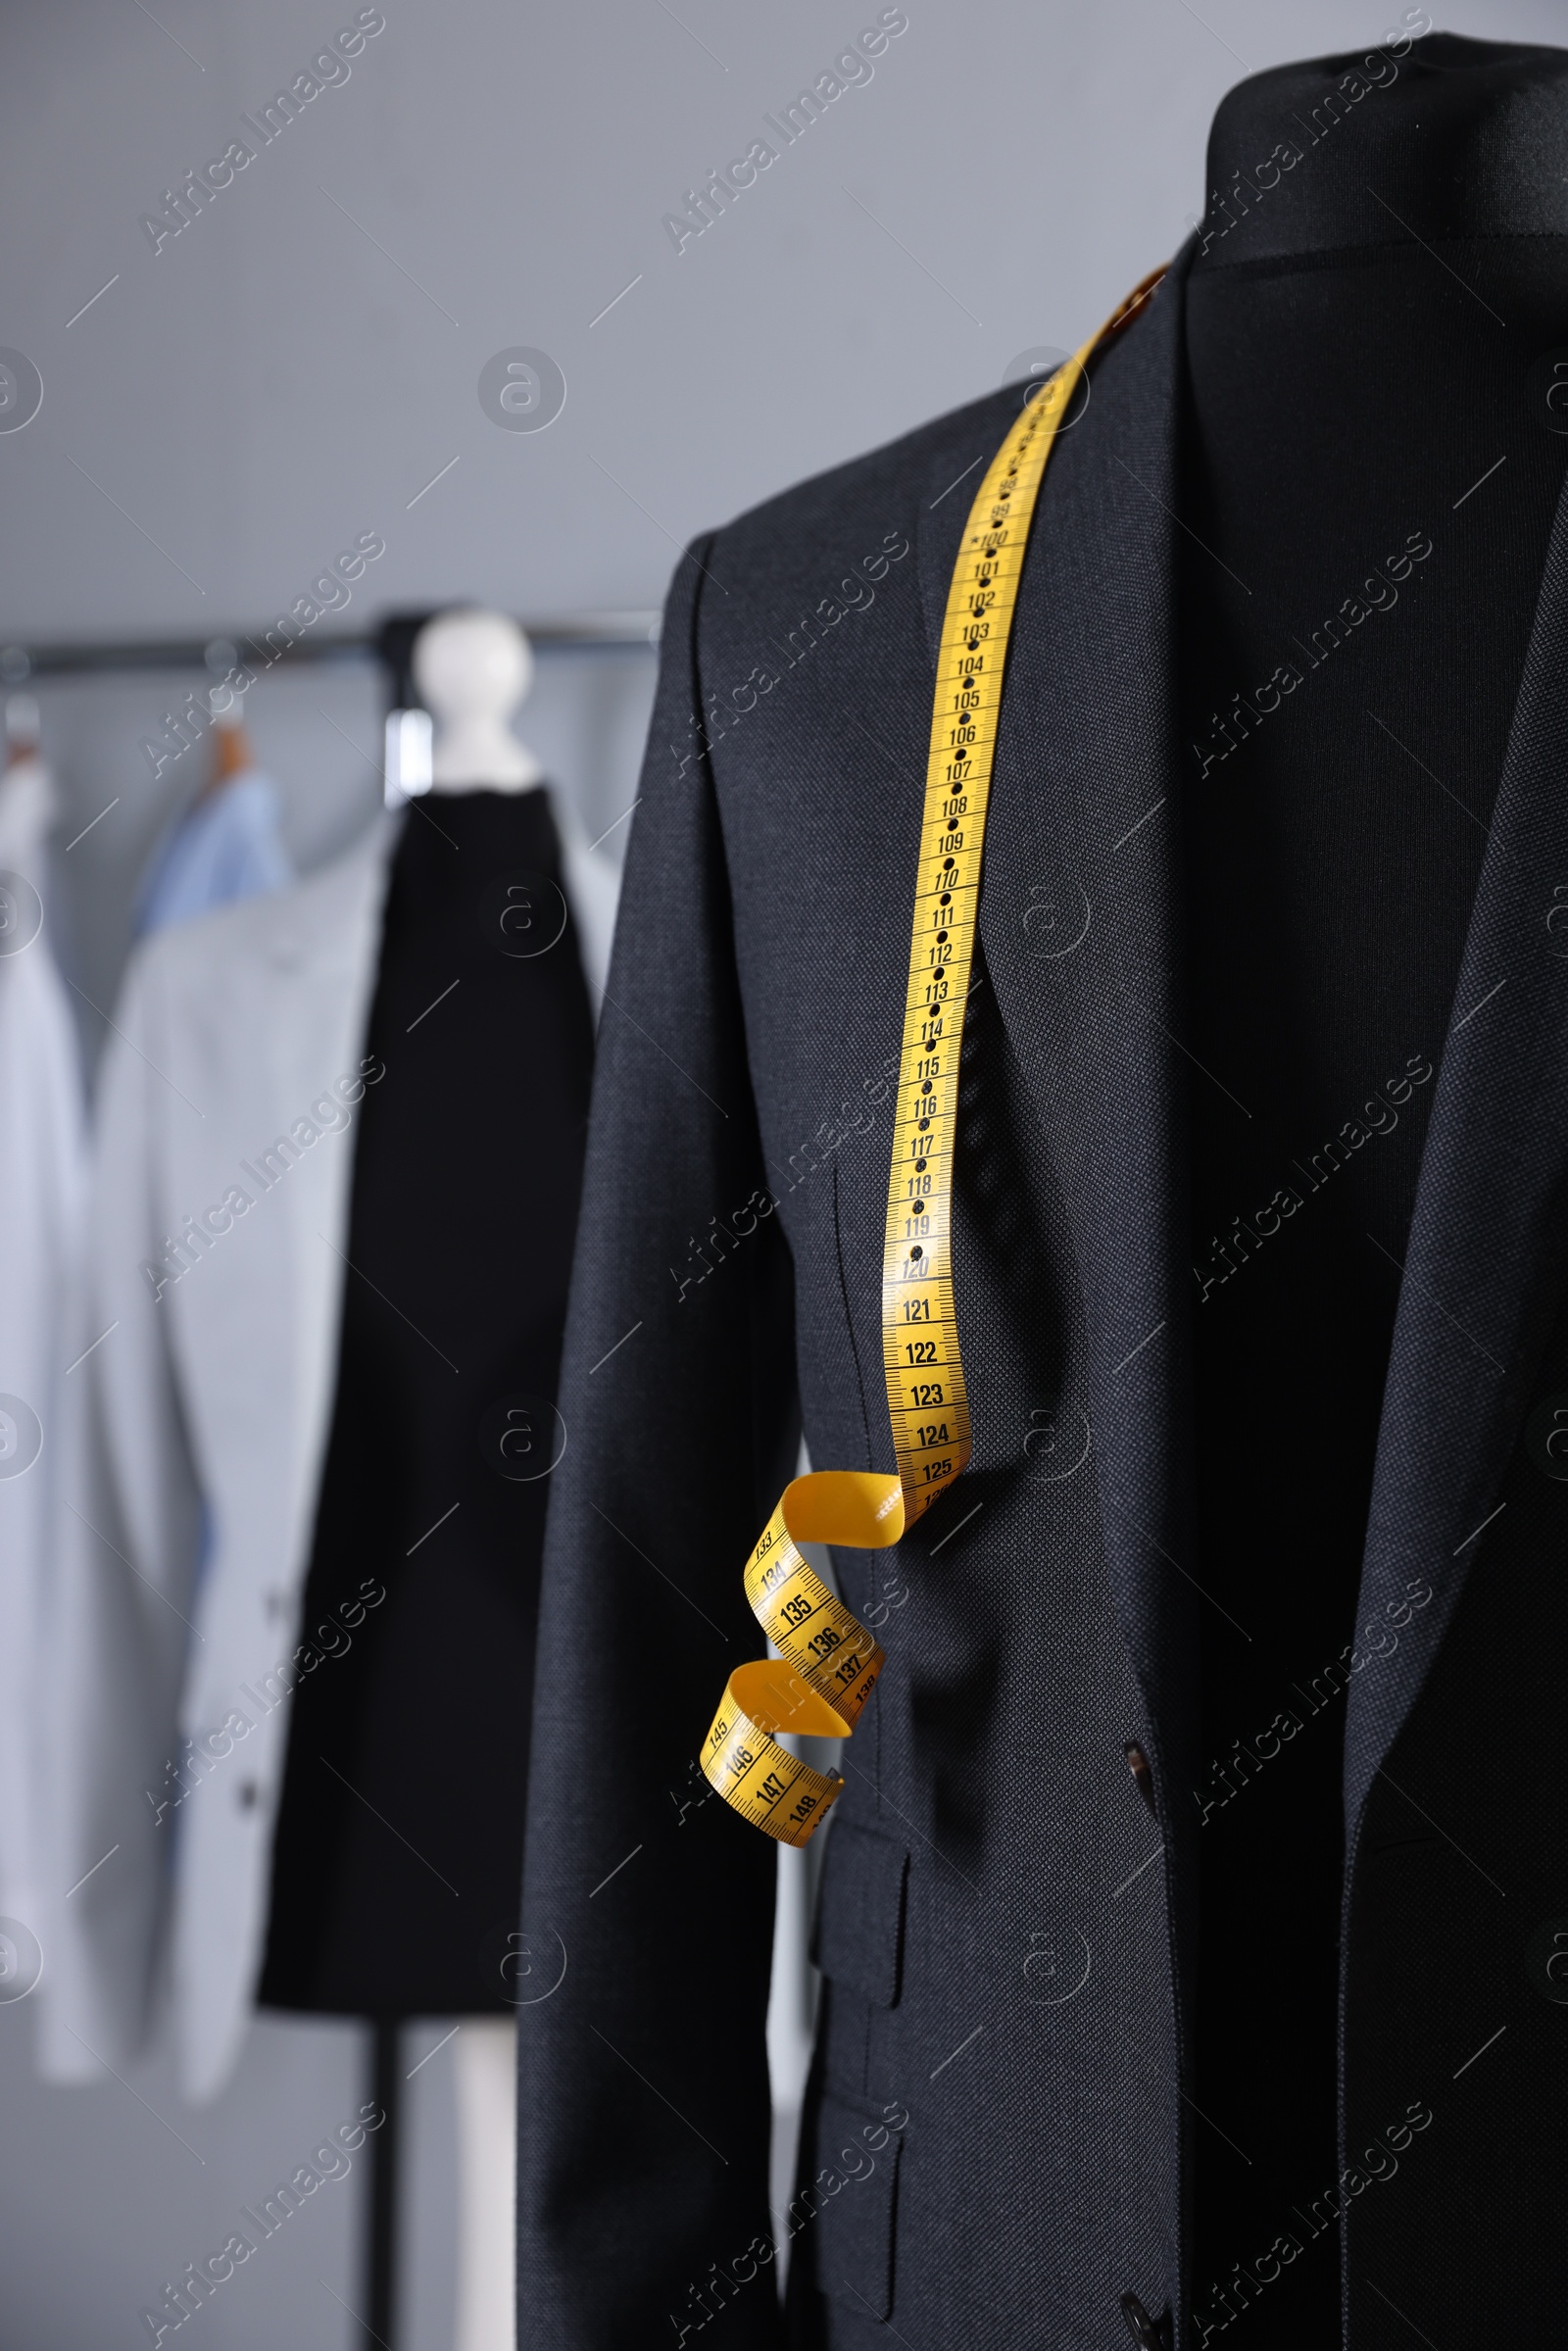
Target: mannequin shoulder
802 534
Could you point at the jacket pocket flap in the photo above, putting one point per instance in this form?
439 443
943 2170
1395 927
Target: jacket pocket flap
859 1918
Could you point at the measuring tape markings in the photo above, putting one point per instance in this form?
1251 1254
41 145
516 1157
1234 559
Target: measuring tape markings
828 1663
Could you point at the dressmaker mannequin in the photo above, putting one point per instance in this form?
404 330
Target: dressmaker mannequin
465 1184
1372 472
474 669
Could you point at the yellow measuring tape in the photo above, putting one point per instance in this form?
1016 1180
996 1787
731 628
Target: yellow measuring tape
828 1663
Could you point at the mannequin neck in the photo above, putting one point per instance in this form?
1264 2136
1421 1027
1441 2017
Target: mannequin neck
1453 138
480 754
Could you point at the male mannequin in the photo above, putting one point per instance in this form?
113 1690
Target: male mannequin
1361 342
1012 1924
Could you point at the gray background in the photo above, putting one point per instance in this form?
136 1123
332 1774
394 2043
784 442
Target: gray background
293 370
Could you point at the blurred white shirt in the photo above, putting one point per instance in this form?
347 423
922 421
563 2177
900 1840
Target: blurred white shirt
42 1181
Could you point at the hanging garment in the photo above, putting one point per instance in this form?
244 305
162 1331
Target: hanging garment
398 1854
219 1214
42 1173
227 847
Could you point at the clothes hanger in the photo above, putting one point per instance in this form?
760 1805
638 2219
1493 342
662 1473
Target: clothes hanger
29 780
232 753
23 731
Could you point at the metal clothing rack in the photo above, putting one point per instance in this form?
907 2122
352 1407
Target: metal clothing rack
571 632
406 757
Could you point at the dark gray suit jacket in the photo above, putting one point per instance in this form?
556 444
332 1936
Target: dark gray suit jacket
994 2140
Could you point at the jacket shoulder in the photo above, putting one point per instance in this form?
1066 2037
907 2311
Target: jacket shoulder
897 481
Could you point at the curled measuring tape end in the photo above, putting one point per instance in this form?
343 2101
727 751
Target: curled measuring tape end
828 1662
766 1783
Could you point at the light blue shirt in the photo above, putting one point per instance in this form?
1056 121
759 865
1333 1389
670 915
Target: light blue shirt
228 846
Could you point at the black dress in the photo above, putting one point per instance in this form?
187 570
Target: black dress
398 1852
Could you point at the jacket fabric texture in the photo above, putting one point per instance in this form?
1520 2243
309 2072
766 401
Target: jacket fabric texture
995 2140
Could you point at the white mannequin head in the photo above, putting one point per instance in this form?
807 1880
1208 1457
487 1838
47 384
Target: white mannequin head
474 669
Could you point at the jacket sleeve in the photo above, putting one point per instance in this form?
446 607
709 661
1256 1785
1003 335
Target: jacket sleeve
118 1624
641 1974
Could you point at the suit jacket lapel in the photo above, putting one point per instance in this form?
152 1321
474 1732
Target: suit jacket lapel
1490 1218
1077 929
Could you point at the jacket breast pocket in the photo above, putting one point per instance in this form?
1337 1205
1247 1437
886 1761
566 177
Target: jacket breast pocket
859 1918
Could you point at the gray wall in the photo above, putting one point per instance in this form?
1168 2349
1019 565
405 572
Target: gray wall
292 369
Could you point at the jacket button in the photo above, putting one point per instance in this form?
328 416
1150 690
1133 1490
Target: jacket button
1146 2332
1142 1777
247 1793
